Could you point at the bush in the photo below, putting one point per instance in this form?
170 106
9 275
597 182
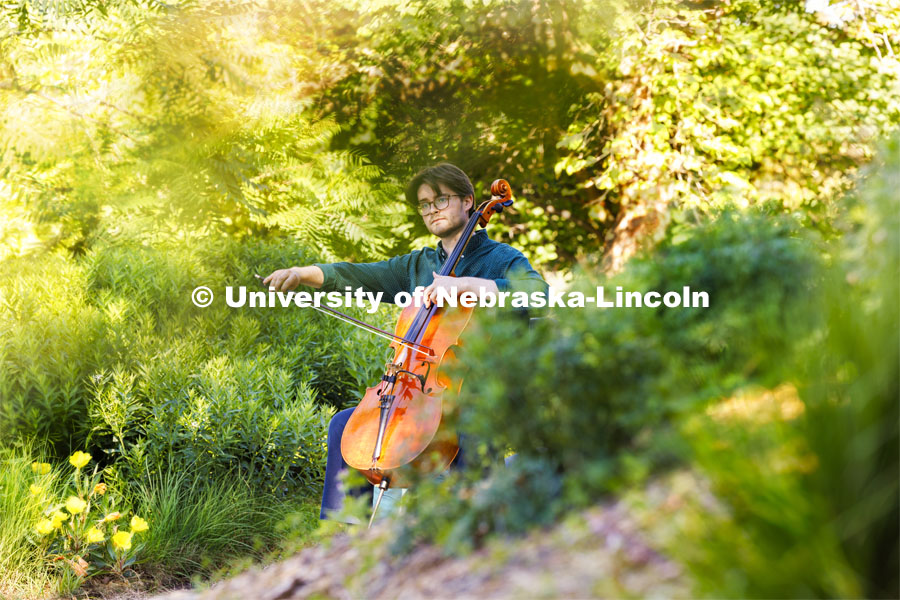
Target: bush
809 473
599 380
51 341
589 397
781 398
116 357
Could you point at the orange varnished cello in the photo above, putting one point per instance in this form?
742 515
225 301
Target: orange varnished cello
396 430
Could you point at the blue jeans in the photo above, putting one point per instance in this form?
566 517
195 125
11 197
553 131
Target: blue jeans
333 493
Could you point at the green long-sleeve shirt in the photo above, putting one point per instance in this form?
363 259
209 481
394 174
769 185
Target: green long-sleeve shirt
483 258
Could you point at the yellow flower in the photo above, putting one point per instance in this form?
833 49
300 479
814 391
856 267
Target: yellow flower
44 526
138 524
122 540
79 459
40 468
113 516
100 488
75 505
94 536
35 489
58 518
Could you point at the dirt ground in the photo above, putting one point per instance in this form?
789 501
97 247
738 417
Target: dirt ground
599 553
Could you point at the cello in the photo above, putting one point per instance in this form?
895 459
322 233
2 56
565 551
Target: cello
396 429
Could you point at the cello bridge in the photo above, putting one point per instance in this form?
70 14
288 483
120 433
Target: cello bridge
386 400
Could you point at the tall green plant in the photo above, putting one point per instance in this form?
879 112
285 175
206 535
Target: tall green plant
590 399
156 121
779 400
119 359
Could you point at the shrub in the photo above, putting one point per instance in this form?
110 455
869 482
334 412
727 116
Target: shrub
588 398
810 488
781 398
601 380
117 358
51 341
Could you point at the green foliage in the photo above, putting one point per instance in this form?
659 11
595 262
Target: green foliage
604 115
599 378
196 525
485 85
782 395
119 357
200 524
149 148
745 104
461 510
852 419
594 412
22 572
154 121
813 495
51 341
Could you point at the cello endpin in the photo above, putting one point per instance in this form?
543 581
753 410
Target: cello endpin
382 488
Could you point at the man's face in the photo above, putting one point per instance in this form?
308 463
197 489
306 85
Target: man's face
448 220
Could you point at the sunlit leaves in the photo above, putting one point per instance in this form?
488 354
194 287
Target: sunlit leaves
711 108
145 121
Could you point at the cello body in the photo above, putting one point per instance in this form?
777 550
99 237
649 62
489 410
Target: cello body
414 439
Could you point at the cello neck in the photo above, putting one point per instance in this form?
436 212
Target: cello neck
450 264
423 316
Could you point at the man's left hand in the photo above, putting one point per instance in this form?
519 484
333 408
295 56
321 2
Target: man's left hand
462 284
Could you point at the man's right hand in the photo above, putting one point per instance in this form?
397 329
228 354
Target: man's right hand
284 280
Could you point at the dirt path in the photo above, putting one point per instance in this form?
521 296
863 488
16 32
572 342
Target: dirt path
599 553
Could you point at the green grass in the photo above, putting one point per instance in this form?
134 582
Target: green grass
198 526
22 572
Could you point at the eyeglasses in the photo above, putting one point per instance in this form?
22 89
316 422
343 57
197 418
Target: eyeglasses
439 203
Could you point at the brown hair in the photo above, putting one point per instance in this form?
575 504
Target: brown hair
444 173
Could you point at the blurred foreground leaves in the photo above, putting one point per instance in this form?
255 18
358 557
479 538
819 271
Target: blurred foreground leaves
781 397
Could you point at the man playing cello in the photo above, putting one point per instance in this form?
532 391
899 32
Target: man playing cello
445 198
